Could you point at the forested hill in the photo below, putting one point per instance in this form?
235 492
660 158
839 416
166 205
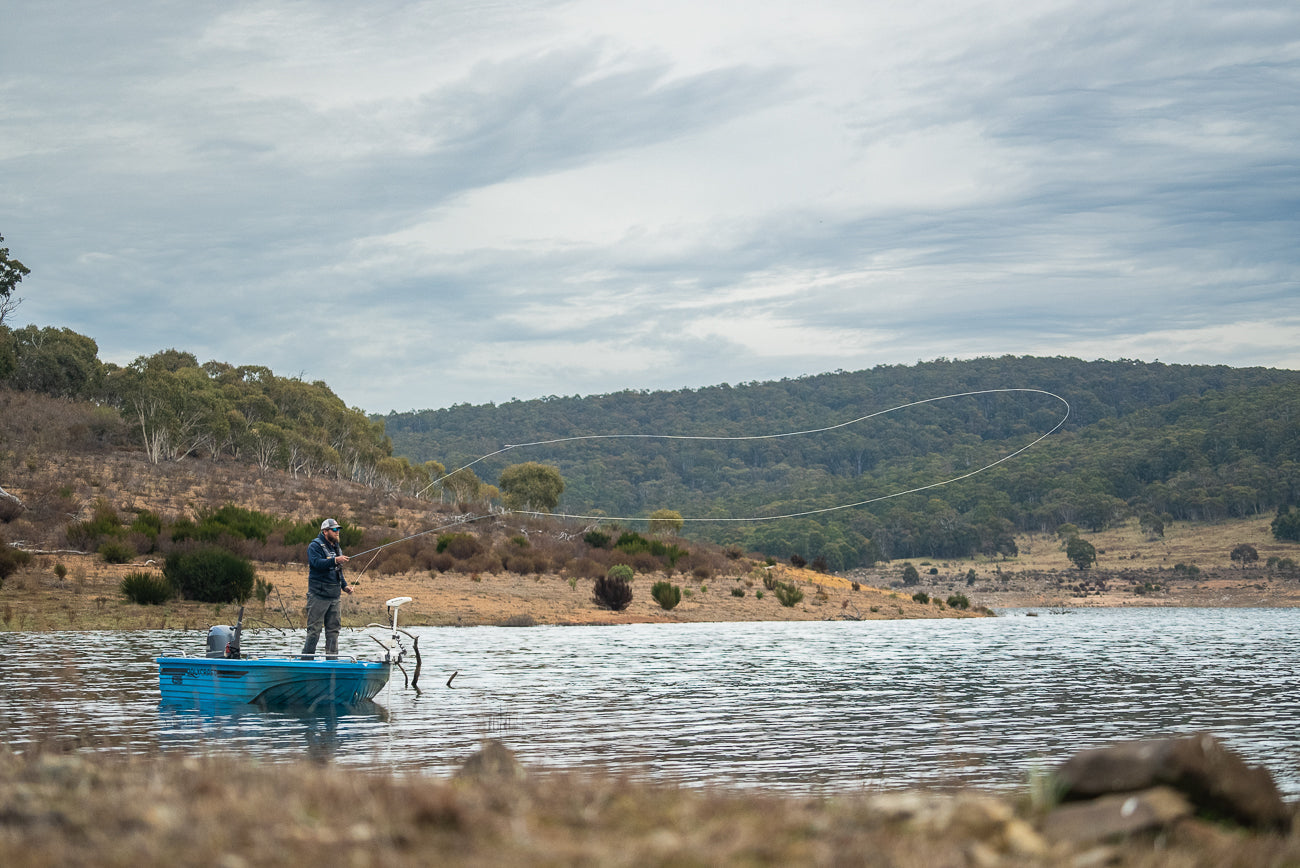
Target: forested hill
1159 441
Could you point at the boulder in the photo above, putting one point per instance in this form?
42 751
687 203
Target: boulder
1116 816
1213 778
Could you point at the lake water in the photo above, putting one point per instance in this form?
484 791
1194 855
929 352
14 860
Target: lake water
809 707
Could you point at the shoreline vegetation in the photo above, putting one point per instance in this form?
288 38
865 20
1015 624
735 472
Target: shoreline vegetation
167 809
1189 565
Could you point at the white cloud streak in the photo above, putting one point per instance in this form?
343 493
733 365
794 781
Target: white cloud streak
429 203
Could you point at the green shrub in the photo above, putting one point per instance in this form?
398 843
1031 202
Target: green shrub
233 521
147 589
910 575
116 552
667 595
788 593
622 571
737 592
612 592
1286 526
597 539
304 532
921 597
633 543
103 522
147 524
11 560
958 601
211 575
262 590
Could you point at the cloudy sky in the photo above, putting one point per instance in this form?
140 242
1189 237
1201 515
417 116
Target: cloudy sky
430 203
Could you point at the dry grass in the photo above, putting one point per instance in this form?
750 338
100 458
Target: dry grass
87 597
74 809
1127 560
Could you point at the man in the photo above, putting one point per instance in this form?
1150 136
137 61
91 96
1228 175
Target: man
325 581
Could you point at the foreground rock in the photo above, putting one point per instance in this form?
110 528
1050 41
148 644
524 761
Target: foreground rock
1212 779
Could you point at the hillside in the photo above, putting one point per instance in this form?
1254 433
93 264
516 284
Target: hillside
521 570
1165 442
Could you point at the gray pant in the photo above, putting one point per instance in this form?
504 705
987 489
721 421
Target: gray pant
322 611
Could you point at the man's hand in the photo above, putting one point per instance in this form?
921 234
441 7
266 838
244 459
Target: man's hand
348 589
341 559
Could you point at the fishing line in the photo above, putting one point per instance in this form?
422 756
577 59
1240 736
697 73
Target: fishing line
746 438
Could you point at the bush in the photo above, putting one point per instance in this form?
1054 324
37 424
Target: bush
797 562
1245 554
622 571
1286 526
149 526
103 522
634 544
210 575
11 560
788 593
597 539
921 597
737 592
612 592
910 575
461 546
147 589
958 601
303 533
116 552
395 565
666 594
229 520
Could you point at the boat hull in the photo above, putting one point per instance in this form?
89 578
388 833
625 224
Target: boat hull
270 682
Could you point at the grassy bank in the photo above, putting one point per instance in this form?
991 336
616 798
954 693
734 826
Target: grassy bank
93 810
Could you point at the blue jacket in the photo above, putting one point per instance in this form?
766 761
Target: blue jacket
325 578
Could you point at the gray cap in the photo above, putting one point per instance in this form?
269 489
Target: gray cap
329 524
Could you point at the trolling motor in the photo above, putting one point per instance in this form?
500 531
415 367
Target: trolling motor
395 651
223 641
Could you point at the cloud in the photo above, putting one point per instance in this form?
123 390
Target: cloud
426 204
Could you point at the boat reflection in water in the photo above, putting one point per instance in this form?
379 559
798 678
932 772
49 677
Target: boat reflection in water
239 727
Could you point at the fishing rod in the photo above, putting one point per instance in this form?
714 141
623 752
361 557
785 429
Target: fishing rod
745 438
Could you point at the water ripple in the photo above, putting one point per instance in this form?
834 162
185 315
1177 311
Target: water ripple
810 707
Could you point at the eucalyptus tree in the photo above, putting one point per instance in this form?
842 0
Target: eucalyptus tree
12 273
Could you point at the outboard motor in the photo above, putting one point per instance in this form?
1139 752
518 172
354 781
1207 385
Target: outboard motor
219 640
224 641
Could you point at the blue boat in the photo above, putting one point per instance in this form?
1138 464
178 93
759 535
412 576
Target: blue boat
226 677
270 682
